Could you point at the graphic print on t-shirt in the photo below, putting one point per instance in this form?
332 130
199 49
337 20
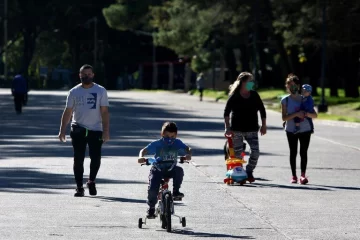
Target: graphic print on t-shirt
92 100
89 100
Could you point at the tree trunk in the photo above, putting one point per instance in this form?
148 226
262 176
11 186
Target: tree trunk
333 74
231 64
245 60
30 36
351 75
266 76
284 62
313 68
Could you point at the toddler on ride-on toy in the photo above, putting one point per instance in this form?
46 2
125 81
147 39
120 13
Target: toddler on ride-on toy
166 149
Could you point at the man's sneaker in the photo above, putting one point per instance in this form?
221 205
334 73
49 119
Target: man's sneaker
92 188
151 213
79 192
250 177
294 179
303 180
178 194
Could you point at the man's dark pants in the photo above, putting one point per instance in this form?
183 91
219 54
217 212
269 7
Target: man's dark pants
18 101
80 139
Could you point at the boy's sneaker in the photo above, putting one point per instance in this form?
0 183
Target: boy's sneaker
92 188
250 177
178 194
79 192
303 180
151 213
294 179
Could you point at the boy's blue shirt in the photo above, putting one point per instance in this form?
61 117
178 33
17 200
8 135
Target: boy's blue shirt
168 153
307 104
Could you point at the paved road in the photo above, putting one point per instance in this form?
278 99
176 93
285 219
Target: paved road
36 181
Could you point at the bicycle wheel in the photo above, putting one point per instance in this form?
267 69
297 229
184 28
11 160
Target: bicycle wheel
168 212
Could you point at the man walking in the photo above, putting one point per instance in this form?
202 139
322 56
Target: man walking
19 91
88 104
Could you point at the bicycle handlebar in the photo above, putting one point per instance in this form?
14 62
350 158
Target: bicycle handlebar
145 161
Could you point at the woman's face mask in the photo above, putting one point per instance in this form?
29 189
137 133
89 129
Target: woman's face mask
294 89
249 85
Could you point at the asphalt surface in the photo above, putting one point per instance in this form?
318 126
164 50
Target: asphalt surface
37 186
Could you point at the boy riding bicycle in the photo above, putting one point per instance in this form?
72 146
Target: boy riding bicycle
166 149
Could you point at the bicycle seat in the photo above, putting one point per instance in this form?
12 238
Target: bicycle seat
164 181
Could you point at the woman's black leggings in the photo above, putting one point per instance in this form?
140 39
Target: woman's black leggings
293 140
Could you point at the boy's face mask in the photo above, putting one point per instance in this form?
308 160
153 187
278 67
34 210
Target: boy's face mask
168 140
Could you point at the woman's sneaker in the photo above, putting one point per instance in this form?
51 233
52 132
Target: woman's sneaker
303 180
294 179
250 177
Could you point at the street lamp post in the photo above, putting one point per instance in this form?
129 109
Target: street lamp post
323 106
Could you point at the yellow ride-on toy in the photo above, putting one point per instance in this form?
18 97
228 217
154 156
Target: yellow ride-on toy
234 166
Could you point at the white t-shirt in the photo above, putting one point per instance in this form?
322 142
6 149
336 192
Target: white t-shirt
86 104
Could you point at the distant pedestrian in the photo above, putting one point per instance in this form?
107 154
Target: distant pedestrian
87 103
291 108
200 85
19 91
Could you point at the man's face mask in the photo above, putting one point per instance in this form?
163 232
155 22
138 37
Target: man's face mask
168 140
86 80
294 89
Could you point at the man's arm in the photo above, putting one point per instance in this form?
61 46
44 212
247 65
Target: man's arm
105 117
65 119
105 122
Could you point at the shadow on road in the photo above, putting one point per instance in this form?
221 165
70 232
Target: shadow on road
31 180
209 235
294 186
339 187
133 126
119 199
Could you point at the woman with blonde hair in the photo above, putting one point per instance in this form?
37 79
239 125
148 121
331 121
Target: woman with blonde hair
244 104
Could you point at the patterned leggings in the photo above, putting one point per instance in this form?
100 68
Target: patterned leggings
253 141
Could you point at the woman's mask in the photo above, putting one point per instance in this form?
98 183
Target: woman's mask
294 89
249 85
